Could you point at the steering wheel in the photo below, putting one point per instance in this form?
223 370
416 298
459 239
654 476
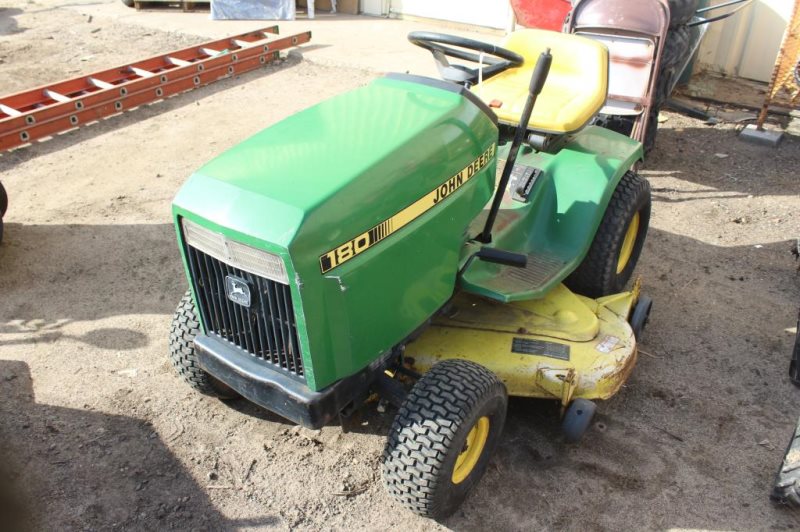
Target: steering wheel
441 46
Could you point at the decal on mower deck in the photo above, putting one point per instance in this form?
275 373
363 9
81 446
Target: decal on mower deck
528 346
341 254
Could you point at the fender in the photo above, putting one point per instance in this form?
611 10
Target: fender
557 224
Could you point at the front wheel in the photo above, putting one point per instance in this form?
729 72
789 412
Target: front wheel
443 436
618 242
185 327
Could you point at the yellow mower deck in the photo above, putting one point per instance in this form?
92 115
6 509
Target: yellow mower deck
563 346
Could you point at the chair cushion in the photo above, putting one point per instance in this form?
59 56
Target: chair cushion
574 92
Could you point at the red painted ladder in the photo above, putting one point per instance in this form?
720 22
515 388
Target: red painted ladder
47 110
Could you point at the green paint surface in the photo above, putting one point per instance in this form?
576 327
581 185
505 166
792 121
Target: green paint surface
565 208
326 175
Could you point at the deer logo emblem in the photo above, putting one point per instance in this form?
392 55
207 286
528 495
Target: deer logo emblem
237 290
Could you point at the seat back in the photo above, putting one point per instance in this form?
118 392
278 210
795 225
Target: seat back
631 63
574 92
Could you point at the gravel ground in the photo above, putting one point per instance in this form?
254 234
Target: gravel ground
97 432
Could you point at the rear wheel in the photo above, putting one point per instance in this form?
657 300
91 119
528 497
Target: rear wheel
618 242
185 326
443 436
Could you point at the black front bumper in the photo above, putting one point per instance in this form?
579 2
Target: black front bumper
280 392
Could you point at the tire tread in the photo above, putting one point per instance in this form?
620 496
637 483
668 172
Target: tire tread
185 326
596 276
681 11
425 428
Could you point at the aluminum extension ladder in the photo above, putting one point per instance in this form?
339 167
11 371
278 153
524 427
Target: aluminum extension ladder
44 111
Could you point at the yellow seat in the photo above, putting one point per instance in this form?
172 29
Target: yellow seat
574 92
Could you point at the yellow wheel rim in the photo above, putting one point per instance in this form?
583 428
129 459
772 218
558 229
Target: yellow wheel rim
627 244
473 448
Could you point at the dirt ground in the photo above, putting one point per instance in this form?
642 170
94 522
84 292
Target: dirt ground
98 433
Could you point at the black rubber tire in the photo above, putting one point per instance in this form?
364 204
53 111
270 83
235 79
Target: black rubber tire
786 486
430 431
674 54
185 326
577 419
794 365
681 11
3 207
129 3
676 47
3 200
652 129
640 315
597 275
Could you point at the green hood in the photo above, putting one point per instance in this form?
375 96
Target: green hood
317 180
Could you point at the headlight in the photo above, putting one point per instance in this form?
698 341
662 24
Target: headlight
235 254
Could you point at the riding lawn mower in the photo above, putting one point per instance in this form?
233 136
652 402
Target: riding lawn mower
439 244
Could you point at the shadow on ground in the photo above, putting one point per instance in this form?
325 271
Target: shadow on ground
55 274
720 160
90 470
8 25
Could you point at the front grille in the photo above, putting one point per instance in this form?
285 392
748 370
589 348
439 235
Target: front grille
266 329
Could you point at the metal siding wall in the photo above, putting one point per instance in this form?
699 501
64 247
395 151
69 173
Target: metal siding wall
488 13
746 44
374 7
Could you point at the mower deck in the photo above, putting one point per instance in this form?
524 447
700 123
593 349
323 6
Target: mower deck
562 346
